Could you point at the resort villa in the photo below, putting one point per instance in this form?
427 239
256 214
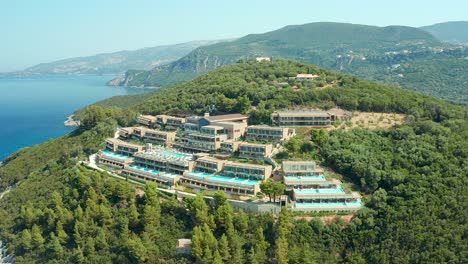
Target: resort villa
255 151
122 147
308 117
160 165
268 133
311 191
231 177
230 146
146 120
208 139
112 159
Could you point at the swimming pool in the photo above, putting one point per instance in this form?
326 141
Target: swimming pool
233 180
200 174
175 154
319 191
305 178
156 172
322 205
115 155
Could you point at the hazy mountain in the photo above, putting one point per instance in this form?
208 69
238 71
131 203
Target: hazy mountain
454 32
397 55
118 62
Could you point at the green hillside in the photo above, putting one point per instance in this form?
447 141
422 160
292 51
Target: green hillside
455 32
412 177
368 52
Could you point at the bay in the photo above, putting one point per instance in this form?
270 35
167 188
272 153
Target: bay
33 109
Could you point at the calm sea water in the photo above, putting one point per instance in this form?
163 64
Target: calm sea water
32 110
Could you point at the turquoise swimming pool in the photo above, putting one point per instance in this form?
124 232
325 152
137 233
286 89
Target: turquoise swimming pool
156 172
234 180
200 174
305 178
115 155
175 154
322 205
319 191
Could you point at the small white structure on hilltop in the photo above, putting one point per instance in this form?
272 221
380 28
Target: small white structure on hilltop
304 76
261 59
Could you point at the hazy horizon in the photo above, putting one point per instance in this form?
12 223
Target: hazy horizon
51 30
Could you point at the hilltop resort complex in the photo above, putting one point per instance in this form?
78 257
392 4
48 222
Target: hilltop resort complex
224 153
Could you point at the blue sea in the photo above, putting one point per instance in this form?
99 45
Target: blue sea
33 109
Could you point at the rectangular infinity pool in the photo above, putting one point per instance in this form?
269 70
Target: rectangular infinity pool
200 174
321 205
234 180
175 154
115 155
319 191
156 172
305 178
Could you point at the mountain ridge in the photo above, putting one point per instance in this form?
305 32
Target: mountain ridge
116 62
391 55
451 31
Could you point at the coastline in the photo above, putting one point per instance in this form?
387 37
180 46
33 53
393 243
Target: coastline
4 257
71 122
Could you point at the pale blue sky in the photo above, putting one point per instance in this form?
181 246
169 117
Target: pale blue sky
35 31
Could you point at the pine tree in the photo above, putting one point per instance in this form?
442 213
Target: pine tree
89 247
101 240
224 217
77 230
207 255
209 239
37 240
217 259
241 222
25 241
133 216
252 257
61 235
223 248
151 217
260 246
78 256
151 194
283 228
54 248
79 213
27 216
235 244
199 211
197 243
282 251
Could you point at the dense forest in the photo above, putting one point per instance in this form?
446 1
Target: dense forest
413 177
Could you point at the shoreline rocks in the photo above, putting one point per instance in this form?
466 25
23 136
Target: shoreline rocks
70 122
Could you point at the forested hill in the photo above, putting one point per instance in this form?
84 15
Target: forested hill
412 177
402 56
455 31
266 86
